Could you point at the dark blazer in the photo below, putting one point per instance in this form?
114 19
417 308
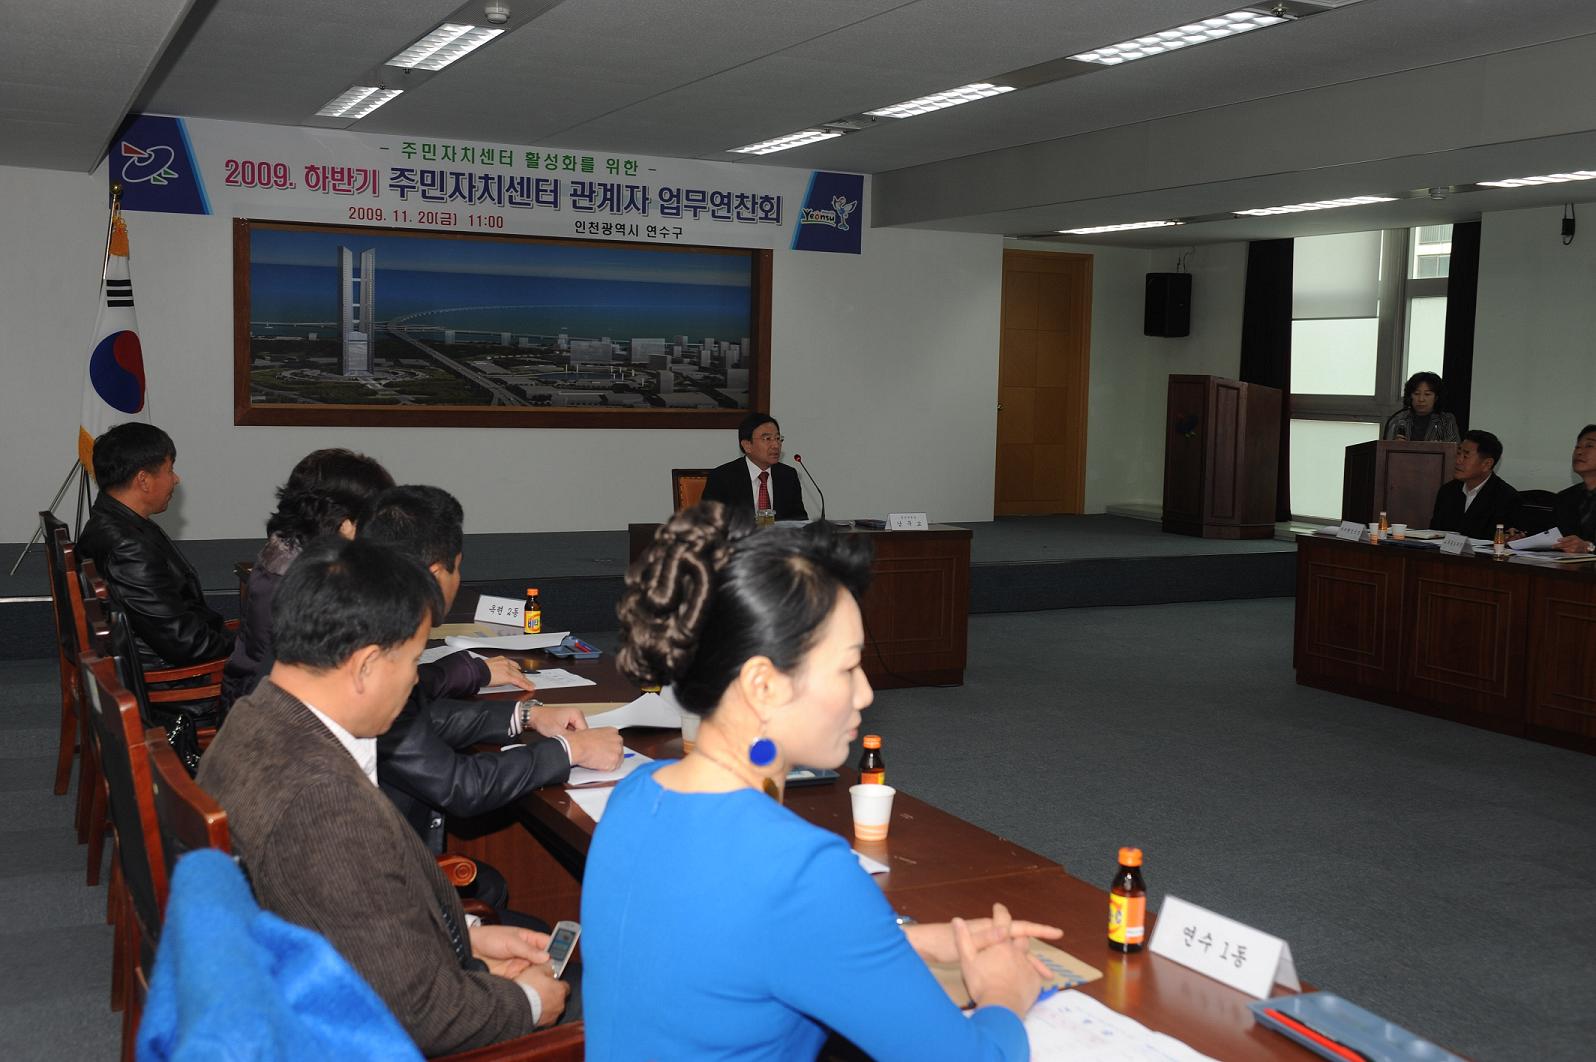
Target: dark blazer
326 850
425 762
1566 512
1443 427
730 484
252 651
155 585
1496 503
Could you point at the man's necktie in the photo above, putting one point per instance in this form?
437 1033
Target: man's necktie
764 491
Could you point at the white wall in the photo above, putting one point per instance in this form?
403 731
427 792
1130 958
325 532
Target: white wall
884 376
1130 371
1534 343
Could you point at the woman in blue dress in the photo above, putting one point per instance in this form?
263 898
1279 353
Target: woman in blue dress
716 923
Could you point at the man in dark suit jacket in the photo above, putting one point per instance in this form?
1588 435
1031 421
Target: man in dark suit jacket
155 585
737 483
1476 499
1575 508
295 770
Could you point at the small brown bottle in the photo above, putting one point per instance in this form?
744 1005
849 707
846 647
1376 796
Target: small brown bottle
532 617
872 768
1127 903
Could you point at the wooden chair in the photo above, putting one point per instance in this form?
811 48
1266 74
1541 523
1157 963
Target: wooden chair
687 486
57 557
241 571
187 817
1534 510
141 876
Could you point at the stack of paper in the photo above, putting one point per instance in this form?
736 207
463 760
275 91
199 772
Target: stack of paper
1075 1026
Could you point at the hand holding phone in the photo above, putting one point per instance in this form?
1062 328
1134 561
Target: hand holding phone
562 942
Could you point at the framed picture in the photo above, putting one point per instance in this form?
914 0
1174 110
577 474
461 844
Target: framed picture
364 326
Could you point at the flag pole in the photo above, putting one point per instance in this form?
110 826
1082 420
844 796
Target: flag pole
77 468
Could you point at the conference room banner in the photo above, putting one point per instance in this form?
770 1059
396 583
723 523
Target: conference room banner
333 176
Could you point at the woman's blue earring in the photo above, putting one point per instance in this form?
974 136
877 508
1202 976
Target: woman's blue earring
762 753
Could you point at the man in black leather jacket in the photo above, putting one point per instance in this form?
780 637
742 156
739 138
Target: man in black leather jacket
155 585
425 761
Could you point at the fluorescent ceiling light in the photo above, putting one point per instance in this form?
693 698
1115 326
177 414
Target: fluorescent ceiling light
791 140
937 101
1209 29
1323 204
1550 178
357 102
443 46
1118 228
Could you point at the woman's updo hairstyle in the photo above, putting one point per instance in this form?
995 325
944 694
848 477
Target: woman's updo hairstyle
326 488
710 593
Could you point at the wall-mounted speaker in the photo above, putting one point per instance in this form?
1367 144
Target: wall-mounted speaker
1168 305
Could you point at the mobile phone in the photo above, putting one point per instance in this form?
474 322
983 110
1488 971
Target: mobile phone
562 942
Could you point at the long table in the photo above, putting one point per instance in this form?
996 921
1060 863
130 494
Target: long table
939 866
1505 645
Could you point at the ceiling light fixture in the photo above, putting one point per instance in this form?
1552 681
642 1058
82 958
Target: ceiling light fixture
1322 204
444 45
938 101
1209 29
1550 178
357 102
1095 229
791 140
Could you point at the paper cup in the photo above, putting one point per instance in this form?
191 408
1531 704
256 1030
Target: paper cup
1399 531
1374 532
689 732
872 810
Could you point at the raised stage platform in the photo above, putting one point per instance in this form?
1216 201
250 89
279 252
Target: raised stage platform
1017 564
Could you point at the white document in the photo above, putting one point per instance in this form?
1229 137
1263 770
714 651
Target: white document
592 801
871 866
1073 1025
588 776
546 678
1544 540
437 652
519 642
648 710
1247 959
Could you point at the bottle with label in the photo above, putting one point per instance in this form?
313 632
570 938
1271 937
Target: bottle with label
532 618
1127 903
1385 525
1499 543
872 768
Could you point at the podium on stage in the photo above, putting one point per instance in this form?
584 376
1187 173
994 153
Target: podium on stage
1397 478
1221 458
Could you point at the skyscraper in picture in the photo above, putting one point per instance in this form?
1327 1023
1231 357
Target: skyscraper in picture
356 321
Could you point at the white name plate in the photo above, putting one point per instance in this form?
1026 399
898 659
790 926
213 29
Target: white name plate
1244 958
1457 544
1349 531
907 522
502 610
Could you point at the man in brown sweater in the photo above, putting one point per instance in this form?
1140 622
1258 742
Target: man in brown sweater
295 768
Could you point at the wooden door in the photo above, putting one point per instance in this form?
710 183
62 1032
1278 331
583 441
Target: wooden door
1043 372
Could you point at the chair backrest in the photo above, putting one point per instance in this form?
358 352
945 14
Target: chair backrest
241 571
188 817
1535 510
126 767
60 560
687 486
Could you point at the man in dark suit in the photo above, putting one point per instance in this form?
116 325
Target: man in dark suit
1575 508
1476 499
155 585
758 479
295 769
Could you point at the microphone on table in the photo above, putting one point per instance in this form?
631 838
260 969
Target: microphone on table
800 459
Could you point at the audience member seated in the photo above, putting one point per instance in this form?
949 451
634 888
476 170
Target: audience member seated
328 491
425 761
787 936
1421 419
295 770
1476 500
156 586
758 479
1575 508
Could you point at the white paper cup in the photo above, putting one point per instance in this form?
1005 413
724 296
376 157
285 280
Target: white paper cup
872 810
1374 532
689 732
1399 531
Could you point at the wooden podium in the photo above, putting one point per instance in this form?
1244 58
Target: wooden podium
1397 478
1221 457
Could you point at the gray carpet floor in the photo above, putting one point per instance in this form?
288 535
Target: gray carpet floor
1440 875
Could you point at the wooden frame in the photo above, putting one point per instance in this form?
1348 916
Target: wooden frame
247 411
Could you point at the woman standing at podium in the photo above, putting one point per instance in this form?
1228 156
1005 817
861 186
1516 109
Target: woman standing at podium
716 923
1420 419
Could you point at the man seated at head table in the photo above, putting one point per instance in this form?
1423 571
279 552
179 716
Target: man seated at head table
758 479
1477 499
425 760
295 770
1574 509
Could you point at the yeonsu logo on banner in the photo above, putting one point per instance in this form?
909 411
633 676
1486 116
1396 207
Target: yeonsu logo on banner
153 161
831 218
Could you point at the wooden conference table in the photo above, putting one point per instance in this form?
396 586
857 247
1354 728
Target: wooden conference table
940 866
